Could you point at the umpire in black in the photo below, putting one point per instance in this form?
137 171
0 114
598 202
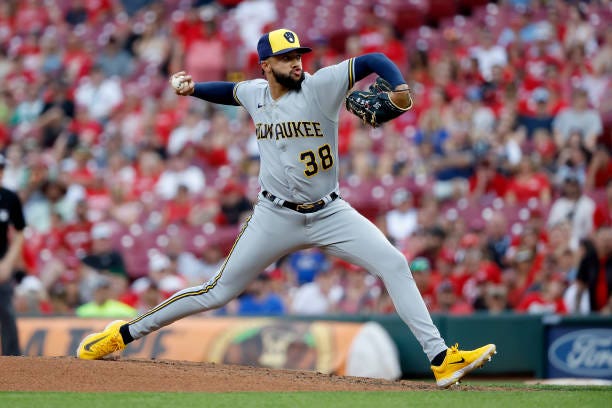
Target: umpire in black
11 213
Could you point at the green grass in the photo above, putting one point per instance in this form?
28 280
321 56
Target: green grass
510 396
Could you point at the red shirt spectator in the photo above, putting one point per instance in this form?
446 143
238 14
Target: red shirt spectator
486 180
527 184
31 16
77 61
190 28
537 303
177 210
7 22
603 213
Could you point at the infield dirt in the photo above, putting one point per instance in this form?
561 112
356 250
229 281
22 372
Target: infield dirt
72 374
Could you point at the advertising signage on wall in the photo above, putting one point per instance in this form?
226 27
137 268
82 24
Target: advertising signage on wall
579 352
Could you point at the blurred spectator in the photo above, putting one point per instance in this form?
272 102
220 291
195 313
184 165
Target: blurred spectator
234 204
315 297
602 61
488 54
453 167
211 261
258 300
15 170
78 62
496 299
433 240
76 12
180 171
547 301
99 95
162 271
147 294
114 60
28 109
425 280
103 304
178 208
191 130
486 180
603 213
599 169
524 273
572 161
483 118
56 115
578 118
432 130
448 302
205 59
251 17
473 270
356 296
400 222
575 207
103 261
498 239
537 112
528 182
50 198
578 29
307 263
152 45
595 270
31 297
73 242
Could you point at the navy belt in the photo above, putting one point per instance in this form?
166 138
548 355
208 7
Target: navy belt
305 208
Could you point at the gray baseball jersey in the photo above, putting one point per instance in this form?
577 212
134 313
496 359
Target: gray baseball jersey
297 134
297 138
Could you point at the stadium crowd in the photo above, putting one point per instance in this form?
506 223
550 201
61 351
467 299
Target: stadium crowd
497 186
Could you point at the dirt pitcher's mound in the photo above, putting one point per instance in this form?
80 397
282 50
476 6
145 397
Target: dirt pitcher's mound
72 374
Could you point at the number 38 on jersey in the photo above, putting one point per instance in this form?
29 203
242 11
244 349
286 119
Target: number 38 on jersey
321 159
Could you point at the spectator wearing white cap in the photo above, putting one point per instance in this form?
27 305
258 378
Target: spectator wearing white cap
162 272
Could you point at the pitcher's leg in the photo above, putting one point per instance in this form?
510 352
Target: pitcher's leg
264 238
350 236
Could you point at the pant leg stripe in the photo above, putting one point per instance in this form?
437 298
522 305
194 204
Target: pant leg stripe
196 292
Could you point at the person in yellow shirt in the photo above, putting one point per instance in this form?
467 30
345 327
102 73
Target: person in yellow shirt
103 305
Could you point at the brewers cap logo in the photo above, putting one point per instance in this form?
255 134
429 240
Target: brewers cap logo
279 42
289 37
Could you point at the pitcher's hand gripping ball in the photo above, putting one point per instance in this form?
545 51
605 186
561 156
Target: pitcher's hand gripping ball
178 81
375 107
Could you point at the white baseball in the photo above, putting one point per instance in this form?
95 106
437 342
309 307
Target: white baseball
178 82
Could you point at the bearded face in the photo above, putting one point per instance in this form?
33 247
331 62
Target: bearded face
287 80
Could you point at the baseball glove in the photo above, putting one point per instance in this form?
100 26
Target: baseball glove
374 107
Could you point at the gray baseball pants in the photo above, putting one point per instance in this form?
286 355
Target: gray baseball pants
273 231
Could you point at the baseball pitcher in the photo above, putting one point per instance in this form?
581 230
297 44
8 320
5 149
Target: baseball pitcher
296 122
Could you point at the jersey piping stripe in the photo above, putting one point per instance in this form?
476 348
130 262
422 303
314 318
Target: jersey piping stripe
236 95
206 289
351 73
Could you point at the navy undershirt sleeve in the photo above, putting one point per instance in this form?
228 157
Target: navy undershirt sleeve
379 63
216 92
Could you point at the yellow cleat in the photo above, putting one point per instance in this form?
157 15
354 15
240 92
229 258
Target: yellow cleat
458 363
97 345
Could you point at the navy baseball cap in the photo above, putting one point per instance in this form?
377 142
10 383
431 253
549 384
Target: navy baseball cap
279 42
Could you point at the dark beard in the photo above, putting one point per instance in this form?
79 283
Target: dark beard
288 82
